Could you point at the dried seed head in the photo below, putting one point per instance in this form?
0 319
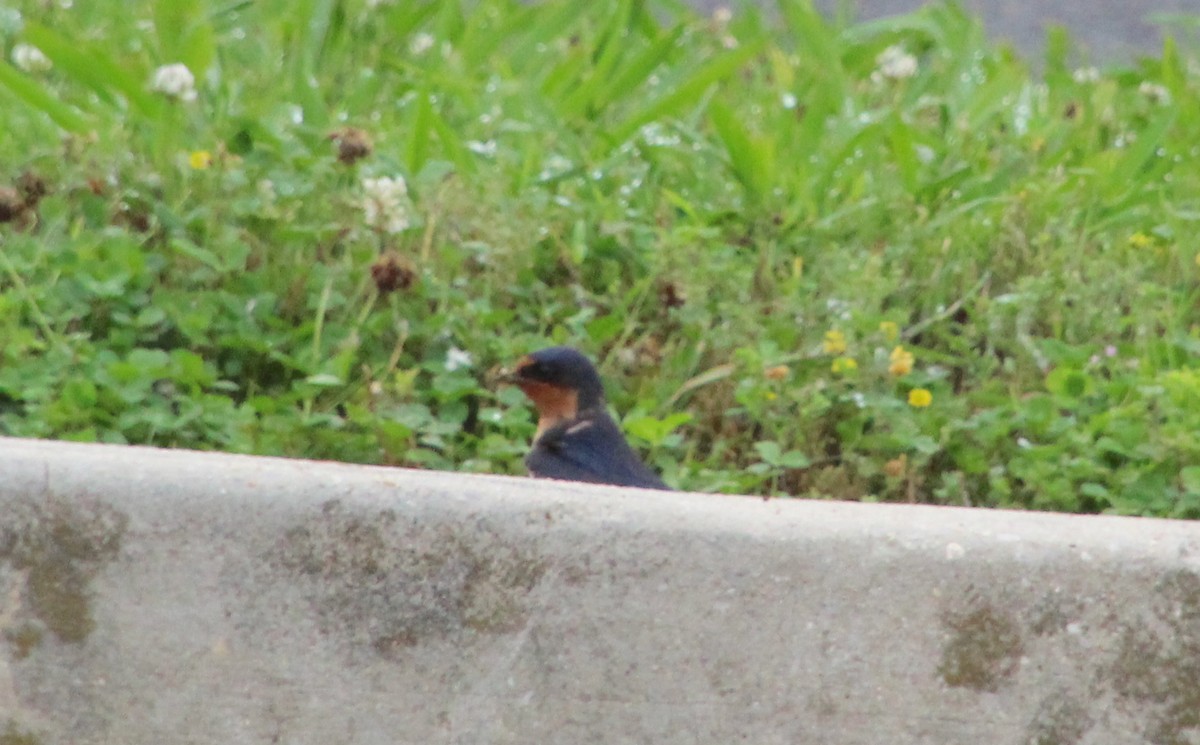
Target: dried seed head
134 217
896 467
778 372
670 296
392 272
32 188
353 144
12 204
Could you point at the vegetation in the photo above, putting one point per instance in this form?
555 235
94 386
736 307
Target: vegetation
879 261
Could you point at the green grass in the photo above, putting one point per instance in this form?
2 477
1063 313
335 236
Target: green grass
697 203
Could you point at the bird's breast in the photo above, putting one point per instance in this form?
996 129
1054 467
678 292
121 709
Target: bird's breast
555 404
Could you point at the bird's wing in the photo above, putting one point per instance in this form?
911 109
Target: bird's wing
590 449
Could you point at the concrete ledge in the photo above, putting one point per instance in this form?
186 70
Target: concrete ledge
154 597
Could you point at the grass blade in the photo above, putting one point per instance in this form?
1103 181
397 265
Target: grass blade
39 98
750 158
635 72
418 136
1138 156
95 70
687 93
185 34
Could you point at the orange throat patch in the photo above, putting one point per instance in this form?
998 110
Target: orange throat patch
555 404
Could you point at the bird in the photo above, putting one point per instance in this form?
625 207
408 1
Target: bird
576 439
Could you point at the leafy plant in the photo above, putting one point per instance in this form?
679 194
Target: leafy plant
877 261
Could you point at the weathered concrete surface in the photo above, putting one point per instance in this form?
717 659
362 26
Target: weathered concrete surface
174 597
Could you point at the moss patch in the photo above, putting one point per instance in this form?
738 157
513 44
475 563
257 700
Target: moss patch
1158 665
14 735
24 638
983 651
59 546
1061 720
390 583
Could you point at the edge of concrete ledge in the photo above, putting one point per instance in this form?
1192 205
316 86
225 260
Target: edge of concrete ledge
57 467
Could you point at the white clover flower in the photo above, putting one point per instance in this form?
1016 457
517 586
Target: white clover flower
722 15
556 164
457 359
1085 75
894 64
1154 92
29 58
420 44
175 81
385 204
486 149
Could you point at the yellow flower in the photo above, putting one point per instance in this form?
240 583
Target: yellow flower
1140 240
902 362
835 342
771 395
920 398
843 365
890 330
797 267
200 159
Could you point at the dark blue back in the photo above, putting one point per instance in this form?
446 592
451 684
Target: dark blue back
591 448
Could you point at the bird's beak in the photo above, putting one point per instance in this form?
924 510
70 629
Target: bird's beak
513 376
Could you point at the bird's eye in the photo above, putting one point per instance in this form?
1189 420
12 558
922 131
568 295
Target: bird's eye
532 370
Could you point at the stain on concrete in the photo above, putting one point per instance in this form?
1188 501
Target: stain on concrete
1052 613
984 647
24 638
390 582
1157 667
14 735
58 547
1060 720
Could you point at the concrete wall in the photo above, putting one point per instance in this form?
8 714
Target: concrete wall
174 597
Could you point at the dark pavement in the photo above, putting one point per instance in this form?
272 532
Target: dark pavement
1104 30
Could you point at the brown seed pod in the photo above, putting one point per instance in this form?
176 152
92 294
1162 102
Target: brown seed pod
778 372
669 295
392 272
353 144
32 188
12 204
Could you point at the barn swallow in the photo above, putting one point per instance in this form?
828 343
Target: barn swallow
576 439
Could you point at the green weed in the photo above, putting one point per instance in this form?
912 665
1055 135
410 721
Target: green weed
881 261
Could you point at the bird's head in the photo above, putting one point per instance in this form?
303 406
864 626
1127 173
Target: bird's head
560 381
